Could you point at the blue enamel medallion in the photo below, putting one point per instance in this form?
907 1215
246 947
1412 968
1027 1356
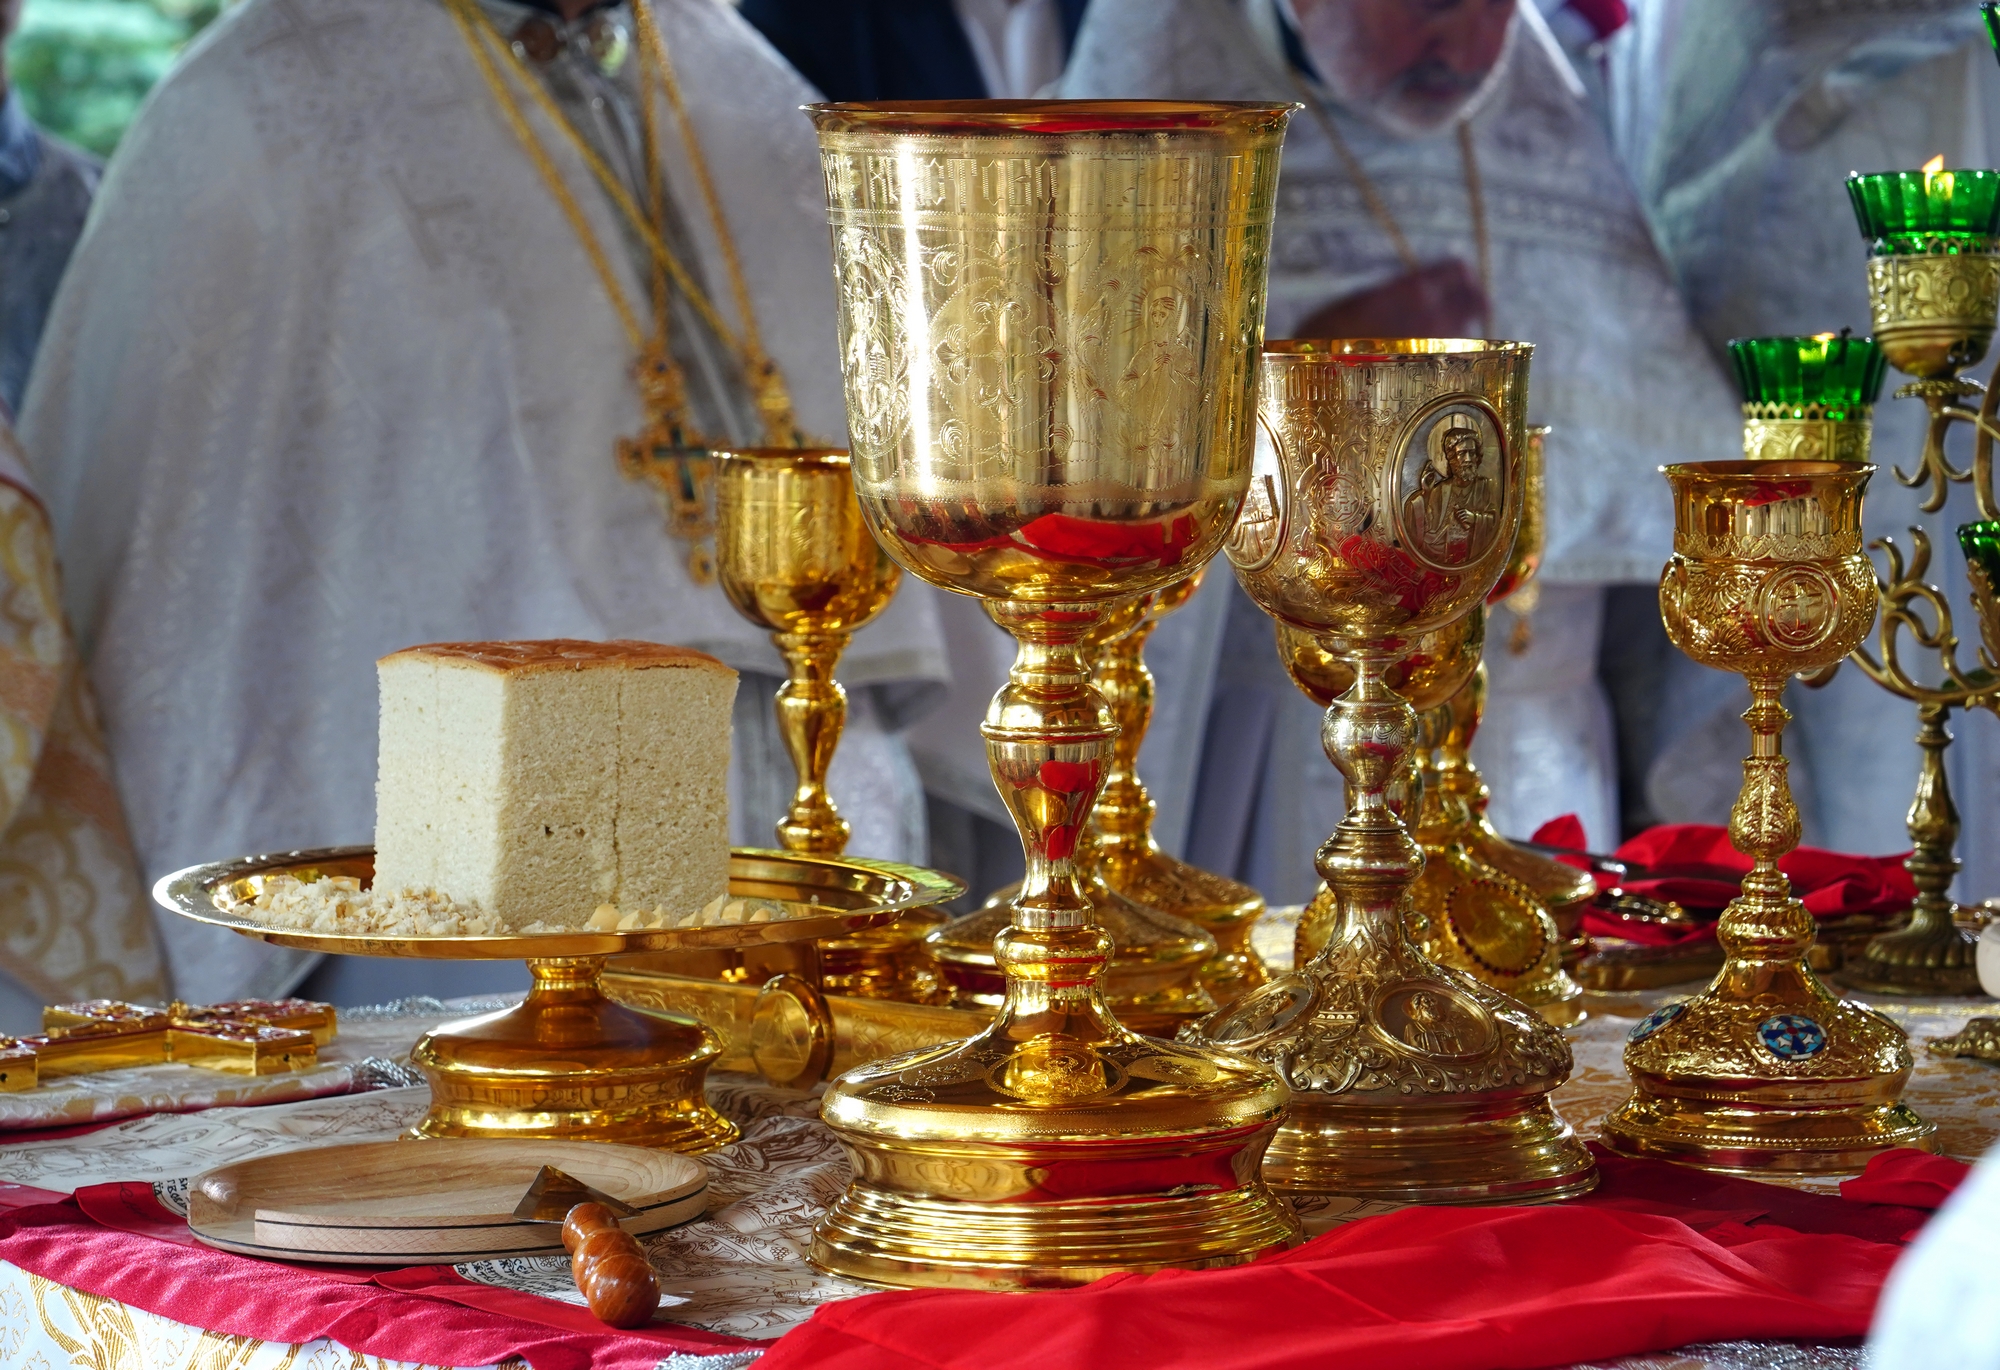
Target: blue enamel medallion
1791 1035
1656 1020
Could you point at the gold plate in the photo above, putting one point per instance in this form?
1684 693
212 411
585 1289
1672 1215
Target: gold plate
850 893
567 1062
392 1203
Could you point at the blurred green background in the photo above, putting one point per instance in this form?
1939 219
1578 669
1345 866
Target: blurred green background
83 66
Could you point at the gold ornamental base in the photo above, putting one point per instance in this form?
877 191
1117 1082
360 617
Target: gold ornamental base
885 1229
1931 957
568 1062
1050 1162
1485 1152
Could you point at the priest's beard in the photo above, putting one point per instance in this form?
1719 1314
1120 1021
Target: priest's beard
1412 103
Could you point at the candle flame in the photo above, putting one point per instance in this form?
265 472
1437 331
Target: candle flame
1824 337
1934 165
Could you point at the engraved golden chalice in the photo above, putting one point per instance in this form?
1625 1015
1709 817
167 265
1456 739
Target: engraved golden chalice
1049 315
795 557
1128 859
1383 507
1766 1069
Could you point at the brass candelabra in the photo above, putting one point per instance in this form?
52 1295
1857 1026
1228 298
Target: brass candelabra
1934 315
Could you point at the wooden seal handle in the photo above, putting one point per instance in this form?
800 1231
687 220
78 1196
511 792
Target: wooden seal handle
609 1267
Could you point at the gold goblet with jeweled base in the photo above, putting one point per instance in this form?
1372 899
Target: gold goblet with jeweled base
796 558
1383 507
1766 1069
1127 857
1049 314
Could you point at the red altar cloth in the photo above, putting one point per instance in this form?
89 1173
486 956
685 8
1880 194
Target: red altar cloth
1694 865
1658 1257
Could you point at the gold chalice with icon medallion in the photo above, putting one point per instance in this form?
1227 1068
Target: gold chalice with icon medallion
1383 506
1049 315
1767 1069
796 558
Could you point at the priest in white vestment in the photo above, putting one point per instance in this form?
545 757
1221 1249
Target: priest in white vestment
343 362
1448 168
1740 123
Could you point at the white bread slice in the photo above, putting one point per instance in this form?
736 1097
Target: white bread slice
537 781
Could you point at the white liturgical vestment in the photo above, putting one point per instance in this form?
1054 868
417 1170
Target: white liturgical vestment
1618 371
332 375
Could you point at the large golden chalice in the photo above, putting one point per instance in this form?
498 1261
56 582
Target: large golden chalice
1766 1069
1382 508
795 557
1049 320
1128 859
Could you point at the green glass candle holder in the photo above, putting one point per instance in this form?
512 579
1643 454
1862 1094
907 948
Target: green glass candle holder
1926 212
1981 545
1808 398
1828 375
1992 13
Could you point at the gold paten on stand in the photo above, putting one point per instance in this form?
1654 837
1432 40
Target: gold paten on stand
1127 857
1049 313
567 1062
1766 1069
1383 507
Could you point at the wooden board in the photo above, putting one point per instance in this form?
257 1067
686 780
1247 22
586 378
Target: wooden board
426 1202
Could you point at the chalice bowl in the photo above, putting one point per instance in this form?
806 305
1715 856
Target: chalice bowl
1766 1069
795 557
1049 320
1383 507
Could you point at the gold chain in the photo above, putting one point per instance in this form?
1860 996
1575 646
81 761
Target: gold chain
1378 208
667 450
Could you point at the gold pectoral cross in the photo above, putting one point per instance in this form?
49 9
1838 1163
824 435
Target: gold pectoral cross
669 453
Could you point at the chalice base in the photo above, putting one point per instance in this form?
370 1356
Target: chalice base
1939 959
1225 909
1152 984
1495 1151
1003 1164
1410 1081
568 1063
1767 1071
1759 1127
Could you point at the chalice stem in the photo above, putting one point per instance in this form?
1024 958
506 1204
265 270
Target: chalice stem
1933 825
1125 681
1764 921
1049 740
812 711
1371 858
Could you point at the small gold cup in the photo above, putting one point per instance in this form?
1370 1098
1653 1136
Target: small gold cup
796 558
1766 1069
1383 506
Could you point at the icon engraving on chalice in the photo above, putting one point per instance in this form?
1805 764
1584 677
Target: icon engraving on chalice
1432 1020
1260 529
1453 485
1799 607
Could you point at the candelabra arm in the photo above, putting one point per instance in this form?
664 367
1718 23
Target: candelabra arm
1903 595
812 712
